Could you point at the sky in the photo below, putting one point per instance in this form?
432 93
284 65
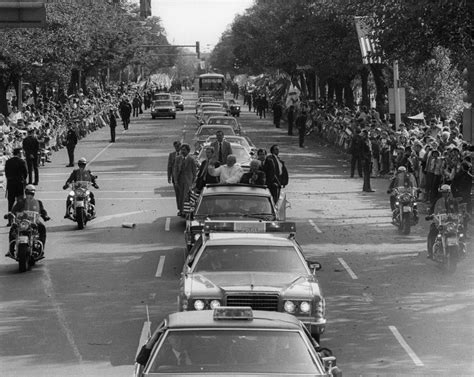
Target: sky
188 21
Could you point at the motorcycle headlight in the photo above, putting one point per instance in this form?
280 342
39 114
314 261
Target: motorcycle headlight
196 236
24 225
289 306
451 228
305 307
71 193
199 305
88 192
214 304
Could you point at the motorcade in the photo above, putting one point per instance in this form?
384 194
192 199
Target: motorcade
253 263
206 106
405 213
231 121
224 104
178 101
163 109
234 108
201 100
242 140
233 341
162 96
204 131
211 85
242 155
232 202
79 206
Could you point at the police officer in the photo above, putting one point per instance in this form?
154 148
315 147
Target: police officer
31 148
16 173
71 141
29 203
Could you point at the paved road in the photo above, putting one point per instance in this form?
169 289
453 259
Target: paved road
83 310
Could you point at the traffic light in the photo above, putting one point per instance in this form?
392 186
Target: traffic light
198 52
145 8
468 84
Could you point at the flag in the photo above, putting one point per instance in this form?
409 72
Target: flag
368 47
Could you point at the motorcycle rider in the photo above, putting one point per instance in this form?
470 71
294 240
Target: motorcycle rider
444 205
402 178
80 174
28 203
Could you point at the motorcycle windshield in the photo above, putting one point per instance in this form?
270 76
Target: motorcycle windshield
81 184
28 215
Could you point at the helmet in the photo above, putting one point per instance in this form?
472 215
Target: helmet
445 188
30 189
82 161
402 169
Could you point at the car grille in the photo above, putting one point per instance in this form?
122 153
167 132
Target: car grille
163 110
256 302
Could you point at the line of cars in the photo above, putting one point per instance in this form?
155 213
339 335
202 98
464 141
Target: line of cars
165 105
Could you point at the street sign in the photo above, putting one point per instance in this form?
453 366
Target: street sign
22 14
391 100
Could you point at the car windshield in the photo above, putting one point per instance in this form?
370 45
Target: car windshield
227 121
177 98
257 258
212 131
234 351
163 103
244 205
162 96
231 139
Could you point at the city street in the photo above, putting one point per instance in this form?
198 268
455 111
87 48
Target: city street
88 306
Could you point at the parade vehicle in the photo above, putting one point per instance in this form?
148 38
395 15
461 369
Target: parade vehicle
202 100
26 248
233 341
79 206
211 85
252 263
242 155
163 109
162 97
449 247
208 113
231 202
204 131
178 101
227 120
405 214
242 140
207 106
234 108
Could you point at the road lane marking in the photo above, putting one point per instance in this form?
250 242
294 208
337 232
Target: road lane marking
101 219
167 224
348 269
98 154
314 226
405 346
145 334
161 264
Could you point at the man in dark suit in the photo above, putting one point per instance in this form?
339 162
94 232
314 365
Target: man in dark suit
171 159
16 173
71 141
221 148
112 125
31 148
255 176
203 176
184 174
366 149
275 172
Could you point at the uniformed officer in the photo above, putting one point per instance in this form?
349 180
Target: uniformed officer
16 173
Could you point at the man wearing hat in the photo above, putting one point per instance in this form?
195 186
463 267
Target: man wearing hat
16 173
31 149
71 141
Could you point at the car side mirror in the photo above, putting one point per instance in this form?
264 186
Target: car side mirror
328 362
315 266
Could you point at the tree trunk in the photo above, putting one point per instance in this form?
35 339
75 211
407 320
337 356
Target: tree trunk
3 98
380 87
322 89
348 95
331 89
74 82
338 90
364 78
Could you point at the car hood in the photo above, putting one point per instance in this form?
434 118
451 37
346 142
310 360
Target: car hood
289 284
231 374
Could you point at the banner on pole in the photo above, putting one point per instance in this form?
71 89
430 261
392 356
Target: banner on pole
368 46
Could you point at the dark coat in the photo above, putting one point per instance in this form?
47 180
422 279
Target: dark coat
71 138
461 185
203 176
112 120
258 179
31 146
16 173
272 172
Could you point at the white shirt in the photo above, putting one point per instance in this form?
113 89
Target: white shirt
228 174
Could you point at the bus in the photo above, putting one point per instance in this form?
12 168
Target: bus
211 85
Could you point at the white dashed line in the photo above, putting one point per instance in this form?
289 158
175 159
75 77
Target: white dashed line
348 269
161 264
167 224
315 226
405 346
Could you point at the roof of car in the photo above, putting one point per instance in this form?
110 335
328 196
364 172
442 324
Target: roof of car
261 319
248 239
237 188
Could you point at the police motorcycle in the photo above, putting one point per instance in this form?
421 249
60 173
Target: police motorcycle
449 246
79 206
26 248
405 212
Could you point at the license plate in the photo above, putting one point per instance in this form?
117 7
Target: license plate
23 239
451 241
406 209
79 203
249 228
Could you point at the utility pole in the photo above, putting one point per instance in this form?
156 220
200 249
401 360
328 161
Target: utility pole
396 80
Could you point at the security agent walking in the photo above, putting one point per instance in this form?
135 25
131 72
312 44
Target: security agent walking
276 173
31 149
16 173
367 161
71 141
112 125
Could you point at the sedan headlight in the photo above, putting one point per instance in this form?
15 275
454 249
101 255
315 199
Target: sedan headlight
289 307
199 305
305 307
214 304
